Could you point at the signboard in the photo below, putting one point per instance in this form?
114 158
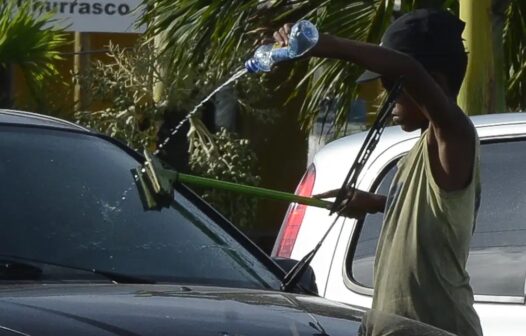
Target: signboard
108 16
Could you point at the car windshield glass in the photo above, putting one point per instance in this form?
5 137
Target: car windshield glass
70 199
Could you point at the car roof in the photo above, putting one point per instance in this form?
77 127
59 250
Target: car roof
395 133
348 146
499 119
28 118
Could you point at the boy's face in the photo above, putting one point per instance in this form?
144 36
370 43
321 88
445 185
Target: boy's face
408 114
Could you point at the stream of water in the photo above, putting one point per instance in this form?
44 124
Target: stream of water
174 130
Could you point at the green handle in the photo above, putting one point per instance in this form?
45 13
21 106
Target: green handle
253 191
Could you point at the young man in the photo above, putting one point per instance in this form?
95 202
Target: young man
431 208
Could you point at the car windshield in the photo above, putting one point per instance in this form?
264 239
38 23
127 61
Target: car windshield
70 199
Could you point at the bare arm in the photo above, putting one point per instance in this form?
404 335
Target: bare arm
437 107
451 143
361 203
451 139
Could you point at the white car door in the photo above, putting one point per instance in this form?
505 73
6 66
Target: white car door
497 262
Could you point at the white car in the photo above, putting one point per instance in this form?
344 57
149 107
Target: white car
497 264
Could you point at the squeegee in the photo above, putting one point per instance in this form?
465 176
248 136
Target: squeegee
156 186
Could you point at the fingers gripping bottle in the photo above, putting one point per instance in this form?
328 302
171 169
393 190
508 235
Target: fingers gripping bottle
303 36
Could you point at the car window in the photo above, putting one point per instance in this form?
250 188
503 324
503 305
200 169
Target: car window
497 261
70 198
363 260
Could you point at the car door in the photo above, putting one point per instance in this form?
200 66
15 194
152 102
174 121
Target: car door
497 262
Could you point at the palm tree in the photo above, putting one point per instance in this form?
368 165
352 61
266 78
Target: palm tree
514 54
219 35
26 42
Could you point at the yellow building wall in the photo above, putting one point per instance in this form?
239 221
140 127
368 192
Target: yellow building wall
58 96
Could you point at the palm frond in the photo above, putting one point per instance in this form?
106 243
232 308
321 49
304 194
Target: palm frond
335 81
218 36
26 41
204 34
515 55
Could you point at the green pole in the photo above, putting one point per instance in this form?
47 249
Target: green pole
252 191
161 181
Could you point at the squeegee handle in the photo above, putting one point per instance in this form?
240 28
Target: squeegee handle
252 191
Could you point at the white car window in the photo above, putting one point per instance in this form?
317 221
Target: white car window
363 258
497 262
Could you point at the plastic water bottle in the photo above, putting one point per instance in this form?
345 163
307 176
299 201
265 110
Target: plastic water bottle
303 36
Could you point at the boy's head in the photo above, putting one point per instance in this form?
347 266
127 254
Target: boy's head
434 38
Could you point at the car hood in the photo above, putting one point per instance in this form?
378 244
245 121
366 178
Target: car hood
168 310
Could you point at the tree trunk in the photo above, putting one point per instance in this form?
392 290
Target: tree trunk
478 93
5 86
81 65
499 16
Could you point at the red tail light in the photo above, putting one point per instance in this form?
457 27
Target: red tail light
294 217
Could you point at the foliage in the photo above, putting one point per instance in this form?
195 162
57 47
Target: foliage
218 36
125 85
515 55
134 113
26 41
224 157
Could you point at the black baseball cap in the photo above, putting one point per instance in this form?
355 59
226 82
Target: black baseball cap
431 36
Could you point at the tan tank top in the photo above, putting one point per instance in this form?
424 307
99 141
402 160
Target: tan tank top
420 267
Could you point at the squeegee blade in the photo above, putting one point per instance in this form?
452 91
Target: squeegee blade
145 189
151 167
162 179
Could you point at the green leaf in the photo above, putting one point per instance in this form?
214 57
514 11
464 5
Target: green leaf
25 42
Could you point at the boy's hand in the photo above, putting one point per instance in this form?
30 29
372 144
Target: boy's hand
281 36
360 205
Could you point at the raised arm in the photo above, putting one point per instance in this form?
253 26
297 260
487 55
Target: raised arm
452 136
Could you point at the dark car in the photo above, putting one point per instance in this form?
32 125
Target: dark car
80 255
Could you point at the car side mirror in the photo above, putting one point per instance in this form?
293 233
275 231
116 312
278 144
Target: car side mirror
307 281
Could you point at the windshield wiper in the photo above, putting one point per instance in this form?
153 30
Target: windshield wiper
18 268
292 278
